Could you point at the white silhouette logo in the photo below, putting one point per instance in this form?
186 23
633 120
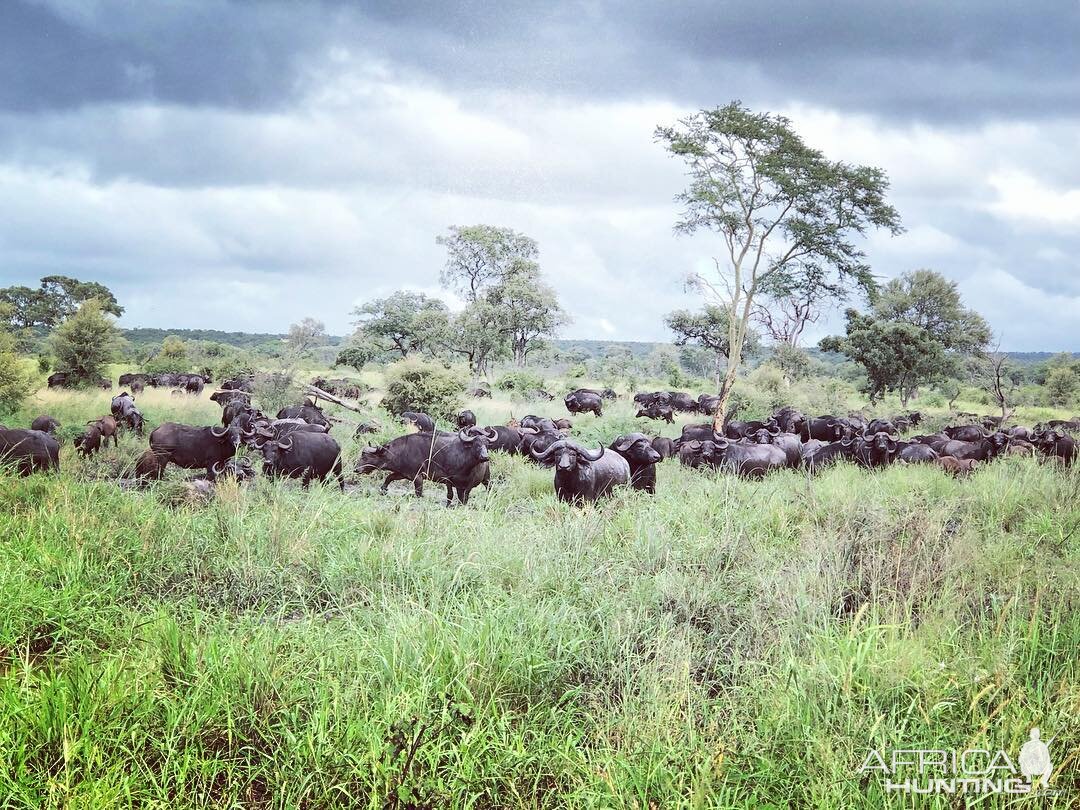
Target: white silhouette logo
1035 759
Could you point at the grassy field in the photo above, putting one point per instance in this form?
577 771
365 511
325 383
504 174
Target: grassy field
723 644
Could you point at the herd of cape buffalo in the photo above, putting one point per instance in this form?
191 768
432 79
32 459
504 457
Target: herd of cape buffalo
296 443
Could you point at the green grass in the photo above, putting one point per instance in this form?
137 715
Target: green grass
724 644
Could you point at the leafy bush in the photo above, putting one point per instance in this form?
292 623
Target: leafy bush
86 342
172 357
519 381
14 382
419 385
273 391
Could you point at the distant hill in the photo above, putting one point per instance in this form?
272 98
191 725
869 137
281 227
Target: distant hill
241 340
592 348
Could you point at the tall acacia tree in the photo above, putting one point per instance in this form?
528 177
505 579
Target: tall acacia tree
784 211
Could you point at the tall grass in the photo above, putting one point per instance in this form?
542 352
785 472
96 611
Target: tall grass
725 643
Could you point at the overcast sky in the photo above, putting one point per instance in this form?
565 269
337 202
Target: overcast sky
241 165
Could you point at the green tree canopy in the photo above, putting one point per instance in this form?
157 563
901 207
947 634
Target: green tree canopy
86 342
402 323
709 329
787 215
478 256
918 333
56 299
928 300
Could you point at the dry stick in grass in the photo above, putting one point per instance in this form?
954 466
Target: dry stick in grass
318 392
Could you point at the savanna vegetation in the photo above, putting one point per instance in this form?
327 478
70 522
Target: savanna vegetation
724 643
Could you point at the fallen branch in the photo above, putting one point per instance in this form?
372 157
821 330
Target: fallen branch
318 392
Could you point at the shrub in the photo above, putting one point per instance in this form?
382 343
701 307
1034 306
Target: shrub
86 342
172 357
14 382
420 385
273 391
519 381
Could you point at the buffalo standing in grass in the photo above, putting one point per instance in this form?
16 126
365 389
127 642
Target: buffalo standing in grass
458 460
664 446
583 476
28 451
656 412
584 401
46 424
749 460
191 447
305 456
308 411
642 458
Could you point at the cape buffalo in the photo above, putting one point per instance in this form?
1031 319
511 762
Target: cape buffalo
466 419
876 449
750 460
304 456
584 401
1056 444
29 451
458 460
308 411
664 446
656 412
582 476
46 424
421 421
915 453
642 458
193 447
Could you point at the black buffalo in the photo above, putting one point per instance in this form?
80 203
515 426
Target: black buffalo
305 456
582 476
308 411
421 421
584 401
642 458
28 451
664 446
458 460
466 419
46 424
507 439
682 402
876 449
748 459
193 447
1056 444
657 412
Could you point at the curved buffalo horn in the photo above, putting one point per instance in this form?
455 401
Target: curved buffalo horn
693 444
722 442
774 432
585 454
247 434
624 445
217 468
866 435
544 455
218 432
491 434
847 442
282 444
463 434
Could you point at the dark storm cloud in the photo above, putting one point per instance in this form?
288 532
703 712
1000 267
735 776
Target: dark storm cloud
192 155
927 59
